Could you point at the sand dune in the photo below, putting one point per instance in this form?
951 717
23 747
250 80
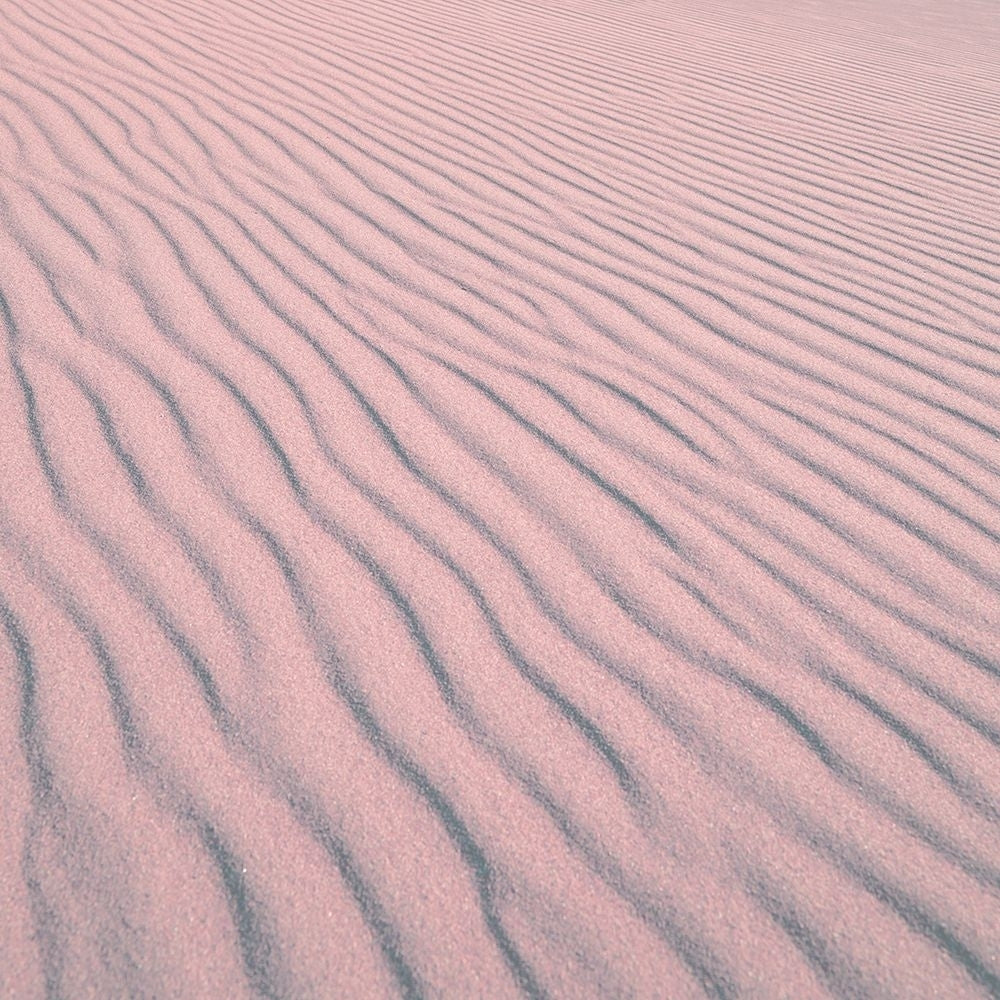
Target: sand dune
499 499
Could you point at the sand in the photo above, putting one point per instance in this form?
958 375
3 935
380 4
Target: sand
499 499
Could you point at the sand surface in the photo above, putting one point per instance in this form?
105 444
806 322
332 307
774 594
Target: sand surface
499 498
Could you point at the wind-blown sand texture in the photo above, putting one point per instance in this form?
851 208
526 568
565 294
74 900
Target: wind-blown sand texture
499 498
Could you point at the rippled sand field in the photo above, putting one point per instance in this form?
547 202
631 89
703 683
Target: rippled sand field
499 498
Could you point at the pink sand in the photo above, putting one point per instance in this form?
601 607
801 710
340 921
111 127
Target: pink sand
499 499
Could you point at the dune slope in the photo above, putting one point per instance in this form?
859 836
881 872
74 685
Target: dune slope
499 499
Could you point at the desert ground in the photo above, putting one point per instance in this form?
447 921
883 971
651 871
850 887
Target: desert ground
499 499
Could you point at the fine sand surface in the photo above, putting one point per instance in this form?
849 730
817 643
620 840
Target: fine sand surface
499 498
